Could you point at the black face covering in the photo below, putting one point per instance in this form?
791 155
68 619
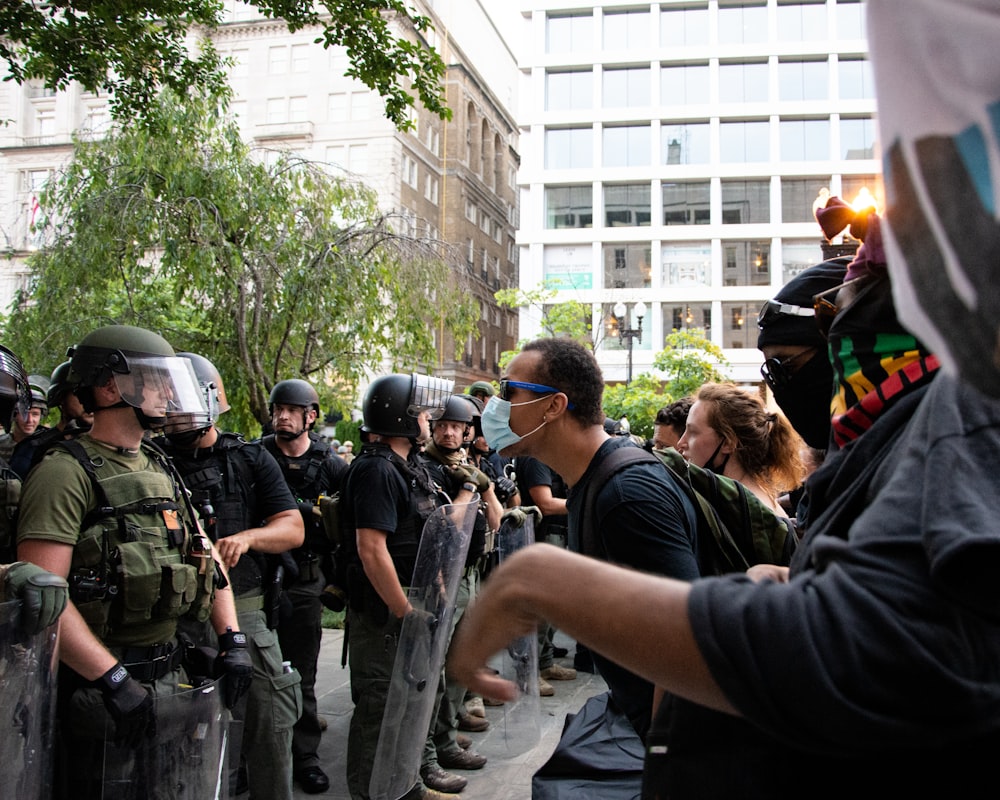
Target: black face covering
805 400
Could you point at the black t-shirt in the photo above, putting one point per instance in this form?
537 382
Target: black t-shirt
530 473
644 521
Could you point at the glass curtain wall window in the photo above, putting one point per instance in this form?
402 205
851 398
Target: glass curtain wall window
687 143
626 88
803 80
627 266
684 85
569 148
686 263
742 22
626 146
686 203
854 77
569 91
688 316
627 205
798 196
569 34
684 27
797 256
802 22
741 142
569 207
746 263
746 201
626 30
739 325
857 138
804 139
743 83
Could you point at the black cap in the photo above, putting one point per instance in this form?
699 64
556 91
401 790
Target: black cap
788 318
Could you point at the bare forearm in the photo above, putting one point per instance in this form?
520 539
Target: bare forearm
639 621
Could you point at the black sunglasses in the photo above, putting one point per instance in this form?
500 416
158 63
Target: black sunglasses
537 388
778 372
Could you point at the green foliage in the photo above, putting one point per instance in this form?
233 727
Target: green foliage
270 272
569 318
688 361
639 401
348 431
132 50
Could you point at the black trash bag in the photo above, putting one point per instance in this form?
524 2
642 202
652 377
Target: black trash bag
599 757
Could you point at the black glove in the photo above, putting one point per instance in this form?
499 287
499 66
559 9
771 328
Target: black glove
466 473
235 665
504 488
130 705
43 595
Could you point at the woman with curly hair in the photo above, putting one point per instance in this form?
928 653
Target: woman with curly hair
731 432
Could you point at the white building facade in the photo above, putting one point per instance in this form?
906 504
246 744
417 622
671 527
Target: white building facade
672 153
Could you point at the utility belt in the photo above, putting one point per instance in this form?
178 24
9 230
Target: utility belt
249 602
149 664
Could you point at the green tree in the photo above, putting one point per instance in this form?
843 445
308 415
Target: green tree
687 361
133 49
569 318
270 271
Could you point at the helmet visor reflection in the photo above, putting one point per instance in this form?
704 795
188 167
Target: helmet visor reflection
160 386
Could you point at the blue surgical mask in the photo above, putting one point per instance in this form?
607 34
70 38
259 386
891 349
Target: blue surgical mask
496 423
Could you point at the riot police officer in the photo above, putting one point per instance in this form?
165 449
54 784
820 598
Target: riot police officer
250 514
311 469
386 498
121 530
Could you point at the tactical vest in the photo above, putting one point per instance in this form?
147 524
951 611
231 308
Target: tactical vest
303 475
221 484
424 497
140 562
477 544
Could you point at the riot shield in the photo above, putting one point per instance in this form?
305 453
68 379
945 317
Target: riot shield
185 760
27 706
519 662
420 653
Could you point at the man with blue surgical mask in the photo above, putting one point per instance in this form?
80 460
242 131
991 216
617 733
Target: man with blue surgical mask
550 407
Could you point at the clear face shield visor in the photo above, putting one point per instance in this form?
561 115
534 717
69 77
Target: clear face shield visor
160 386
429 395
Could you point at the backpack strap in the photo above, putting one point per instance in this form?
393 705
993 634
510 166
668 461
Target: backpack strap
590 542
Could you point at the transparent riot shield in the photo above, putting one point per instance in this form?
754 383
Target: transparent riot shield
519 662
27 707
420 654
185 760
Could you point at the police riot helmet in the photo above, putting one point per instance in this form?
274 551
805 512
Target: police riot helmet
59 385
393 403
14 392
38 386
476 406
293 392
213 395
148 375
481 388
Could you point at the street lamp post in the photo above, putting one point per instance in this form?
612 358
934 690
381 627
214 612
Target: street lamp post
620 312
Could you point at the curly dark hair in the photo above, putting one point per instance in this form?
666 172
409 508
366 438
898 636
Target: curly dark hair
571 368
675 414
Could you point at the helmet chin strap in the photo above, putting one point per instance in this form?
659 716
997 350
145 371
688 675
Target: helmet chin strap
289 435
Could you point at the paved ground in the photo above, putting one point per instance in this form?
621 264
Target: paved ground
503 778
